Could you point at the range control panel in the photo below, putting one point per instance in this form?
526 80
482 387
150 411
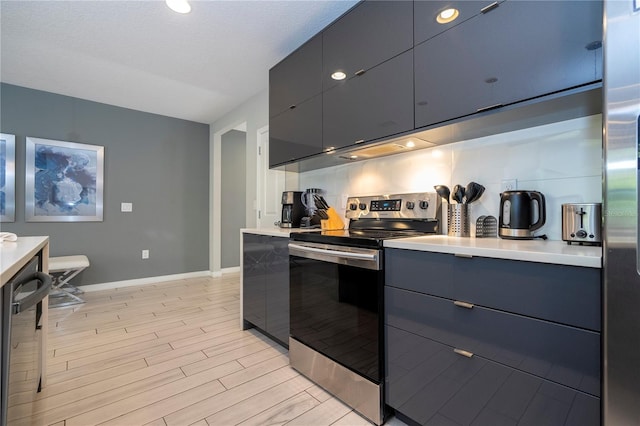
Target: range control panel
416 205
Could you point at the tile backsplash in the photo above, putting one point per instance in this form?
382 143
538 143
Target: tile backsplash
562 160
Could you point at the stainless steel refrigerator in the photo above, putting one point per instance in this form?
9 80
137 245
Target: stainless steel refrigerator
621 257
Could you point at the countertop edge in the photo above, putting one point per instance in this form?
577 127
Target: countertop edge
275 232
17 254
590 257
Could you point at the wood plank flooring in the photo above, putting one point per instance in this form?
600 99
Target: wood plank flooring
171 354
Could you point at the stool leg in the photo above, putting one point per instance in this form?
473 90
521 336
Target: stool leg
62 281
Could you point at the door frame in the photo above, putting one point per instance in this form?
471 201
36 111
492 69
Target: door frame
215 197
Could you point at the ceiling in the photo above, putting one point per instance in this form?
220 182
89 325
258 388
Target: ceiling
143 56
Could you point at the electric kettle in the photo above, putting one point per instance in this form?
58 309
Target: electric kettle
521 213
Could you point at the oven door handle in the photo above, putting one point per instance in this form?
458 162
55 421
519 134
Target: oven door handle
335 253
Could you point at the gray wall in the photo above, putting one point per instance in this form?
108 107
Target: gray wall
158 163
234 188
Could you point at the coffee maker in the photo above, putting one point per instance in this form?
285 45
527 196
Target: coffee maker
292 209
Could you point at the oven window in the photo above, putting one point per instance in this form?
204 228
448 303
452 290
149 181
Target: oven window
335 310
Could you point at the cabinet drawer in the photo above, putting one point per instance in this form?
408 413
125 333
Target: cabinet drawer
431 384
558 353
566 294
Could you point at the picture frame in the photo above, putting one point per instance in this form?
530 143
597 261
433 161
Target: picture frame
63 181
7 177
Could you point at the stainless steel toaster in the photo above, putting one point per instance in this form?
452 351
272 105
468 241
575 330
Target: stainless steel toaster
582 223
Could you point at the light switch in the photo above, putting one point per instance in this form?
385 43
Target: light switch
126 207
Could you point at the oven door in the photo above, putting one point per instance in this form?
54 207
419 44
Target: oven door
336 296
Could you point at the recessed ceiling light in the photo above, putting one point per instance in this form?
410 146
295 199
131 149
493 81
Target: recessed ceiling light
447 15
410 144
338 75
330 150
180 6
353 157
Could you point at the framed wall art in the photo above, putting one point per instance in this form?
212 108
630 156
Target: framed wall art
63 182
7 178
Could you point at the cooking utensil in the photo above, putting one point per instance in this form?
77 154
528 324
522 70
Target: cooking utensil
444 192
321 203
473 192
458 193
470 192
323 214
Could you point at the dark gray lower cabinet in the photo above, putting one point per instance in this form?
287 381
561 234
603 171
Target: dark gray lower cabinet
265 287
484 360
433 385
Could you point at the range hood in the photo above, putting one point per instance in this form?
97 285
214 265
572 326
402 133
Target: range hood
556 107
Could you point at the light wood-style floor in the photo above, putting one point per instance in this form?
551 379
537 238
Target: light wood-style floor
172 354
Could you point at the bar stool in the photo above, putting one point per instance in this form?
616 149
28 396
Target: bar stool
63 269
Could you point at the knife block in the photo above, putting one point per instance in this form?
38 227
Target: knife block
333 223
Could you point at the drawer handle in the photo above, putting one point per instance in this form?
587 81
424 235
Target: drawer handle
489 8
360 72
463 304
464 256
463 352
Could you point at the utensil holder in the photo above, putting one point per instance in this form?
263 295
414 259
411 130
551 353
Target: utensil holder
458 220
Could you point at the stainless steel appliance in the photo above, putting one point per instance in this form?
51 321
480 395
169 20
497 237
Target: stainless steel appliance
521 213
21 339
582 223
336 281
621 257
292 209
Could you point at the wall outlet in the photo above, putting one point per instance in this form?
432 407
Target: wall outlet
509 185
145 254
126 207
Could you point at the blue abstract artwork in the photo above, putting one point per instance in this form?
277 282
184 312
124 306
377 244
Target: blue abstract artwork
66 179
7 177
3 176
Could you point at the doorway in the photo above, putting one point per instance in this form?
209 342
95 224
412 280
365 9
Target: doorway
233 151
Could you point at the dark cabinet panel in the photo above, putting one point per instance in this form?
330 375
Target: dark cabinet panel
373 105
431 384
296 78
426 12
277 289
565 294
265 284
296 133
253 270
562 354
368 35
517 51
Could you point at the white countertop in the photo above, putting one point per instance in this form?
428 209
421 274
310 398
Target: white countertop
276 231
14 255
557 252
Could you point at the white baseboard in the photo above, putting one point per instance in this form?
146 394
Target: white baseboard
145 281
231 270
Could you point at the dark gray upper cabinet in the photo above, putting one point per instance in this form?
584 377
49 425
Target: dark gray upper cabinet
297 77
373 105
368 35
517 51
425 14
296 133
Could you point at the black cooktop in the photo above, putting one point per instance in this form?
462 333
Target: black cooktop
370 233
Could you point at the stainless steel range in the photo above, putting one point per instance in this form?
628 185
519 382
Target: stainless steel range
336 296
